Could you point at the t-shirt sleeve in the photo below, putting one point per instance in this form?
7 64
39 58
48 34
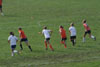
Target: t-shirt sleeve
42 32
9 38
69 29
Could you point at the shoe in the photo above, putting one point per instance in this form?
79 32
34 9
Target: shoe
46 49
2 14
52 50
95 38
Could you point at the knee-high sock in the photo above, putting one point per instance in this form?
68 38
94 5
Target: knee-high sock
45 44
30 47
21 46
73 42
51 47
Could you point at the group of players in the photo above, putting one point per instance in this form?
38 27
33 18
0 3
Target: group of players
47 34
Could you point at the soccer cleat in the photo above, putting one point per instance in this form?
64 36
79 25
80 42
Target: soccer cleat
2 14
46 49
31 50
95 38
52 50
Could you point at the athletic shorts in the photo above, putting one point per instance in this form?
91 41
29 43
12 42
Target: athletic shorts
24 39
0 6
13 46
72 37
88 32
63 39
47 39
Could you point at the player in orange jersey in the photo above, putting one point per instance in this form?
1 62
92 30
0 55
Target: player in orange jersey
63 35
87 31
23 39
1 8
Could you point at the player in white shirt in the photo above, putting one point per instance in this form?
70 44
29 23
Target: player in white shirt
72 31
47 33
12 40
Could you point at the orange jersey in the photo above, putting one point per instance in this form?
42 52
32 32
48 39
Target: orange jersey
22 35
62 32
0 2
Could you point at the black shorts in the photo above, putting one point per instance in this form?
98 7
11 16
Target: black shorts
24 39
0 6
13 46
63 39
47 39
88 32
72 37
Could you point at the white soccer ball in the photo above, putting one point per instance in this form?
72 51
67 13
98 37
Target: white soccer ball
15 51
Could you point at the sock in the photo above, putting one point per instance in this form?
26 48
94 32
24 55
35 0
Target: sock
73 42
83 39
45 44
30 48
12 54
51 47
62 42
21 46
65 45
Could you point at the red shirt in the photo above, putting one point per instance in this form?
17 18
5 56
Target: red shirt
0 2
62 32
86 27
22 35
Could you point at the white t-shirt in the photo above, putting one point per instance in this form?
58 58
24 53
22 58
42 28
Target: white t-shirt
12 39
46 33
72 30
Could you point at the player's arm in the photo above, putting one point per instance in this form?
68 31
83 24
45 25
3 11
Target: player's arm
8 41
16 39
60 31
51 32
41 33
69 31
19 34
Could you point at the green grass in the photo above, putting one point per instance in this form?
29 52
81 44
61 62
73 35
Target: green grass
32 15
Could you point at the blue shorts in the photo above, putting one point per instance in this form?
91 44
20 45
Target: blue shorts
13 46
0 6
24 39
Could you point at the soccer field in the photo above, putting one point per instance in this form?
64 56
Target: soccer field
32 15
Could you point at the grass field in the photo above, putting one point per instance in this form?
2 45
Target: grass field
32 15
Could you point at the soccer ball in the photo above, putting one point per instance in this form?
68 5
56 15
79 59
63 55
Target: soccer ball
15 51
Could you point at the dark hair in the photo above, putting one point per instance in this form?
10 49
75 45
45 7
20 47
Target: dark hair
72 24
45 27
11 33
61 26
20 28
84 21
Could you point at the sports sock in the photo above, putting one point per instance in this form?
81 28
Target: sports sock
51 47
30 48
21 46
73 42
45 44
62 42
65 45
83 39
12 54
